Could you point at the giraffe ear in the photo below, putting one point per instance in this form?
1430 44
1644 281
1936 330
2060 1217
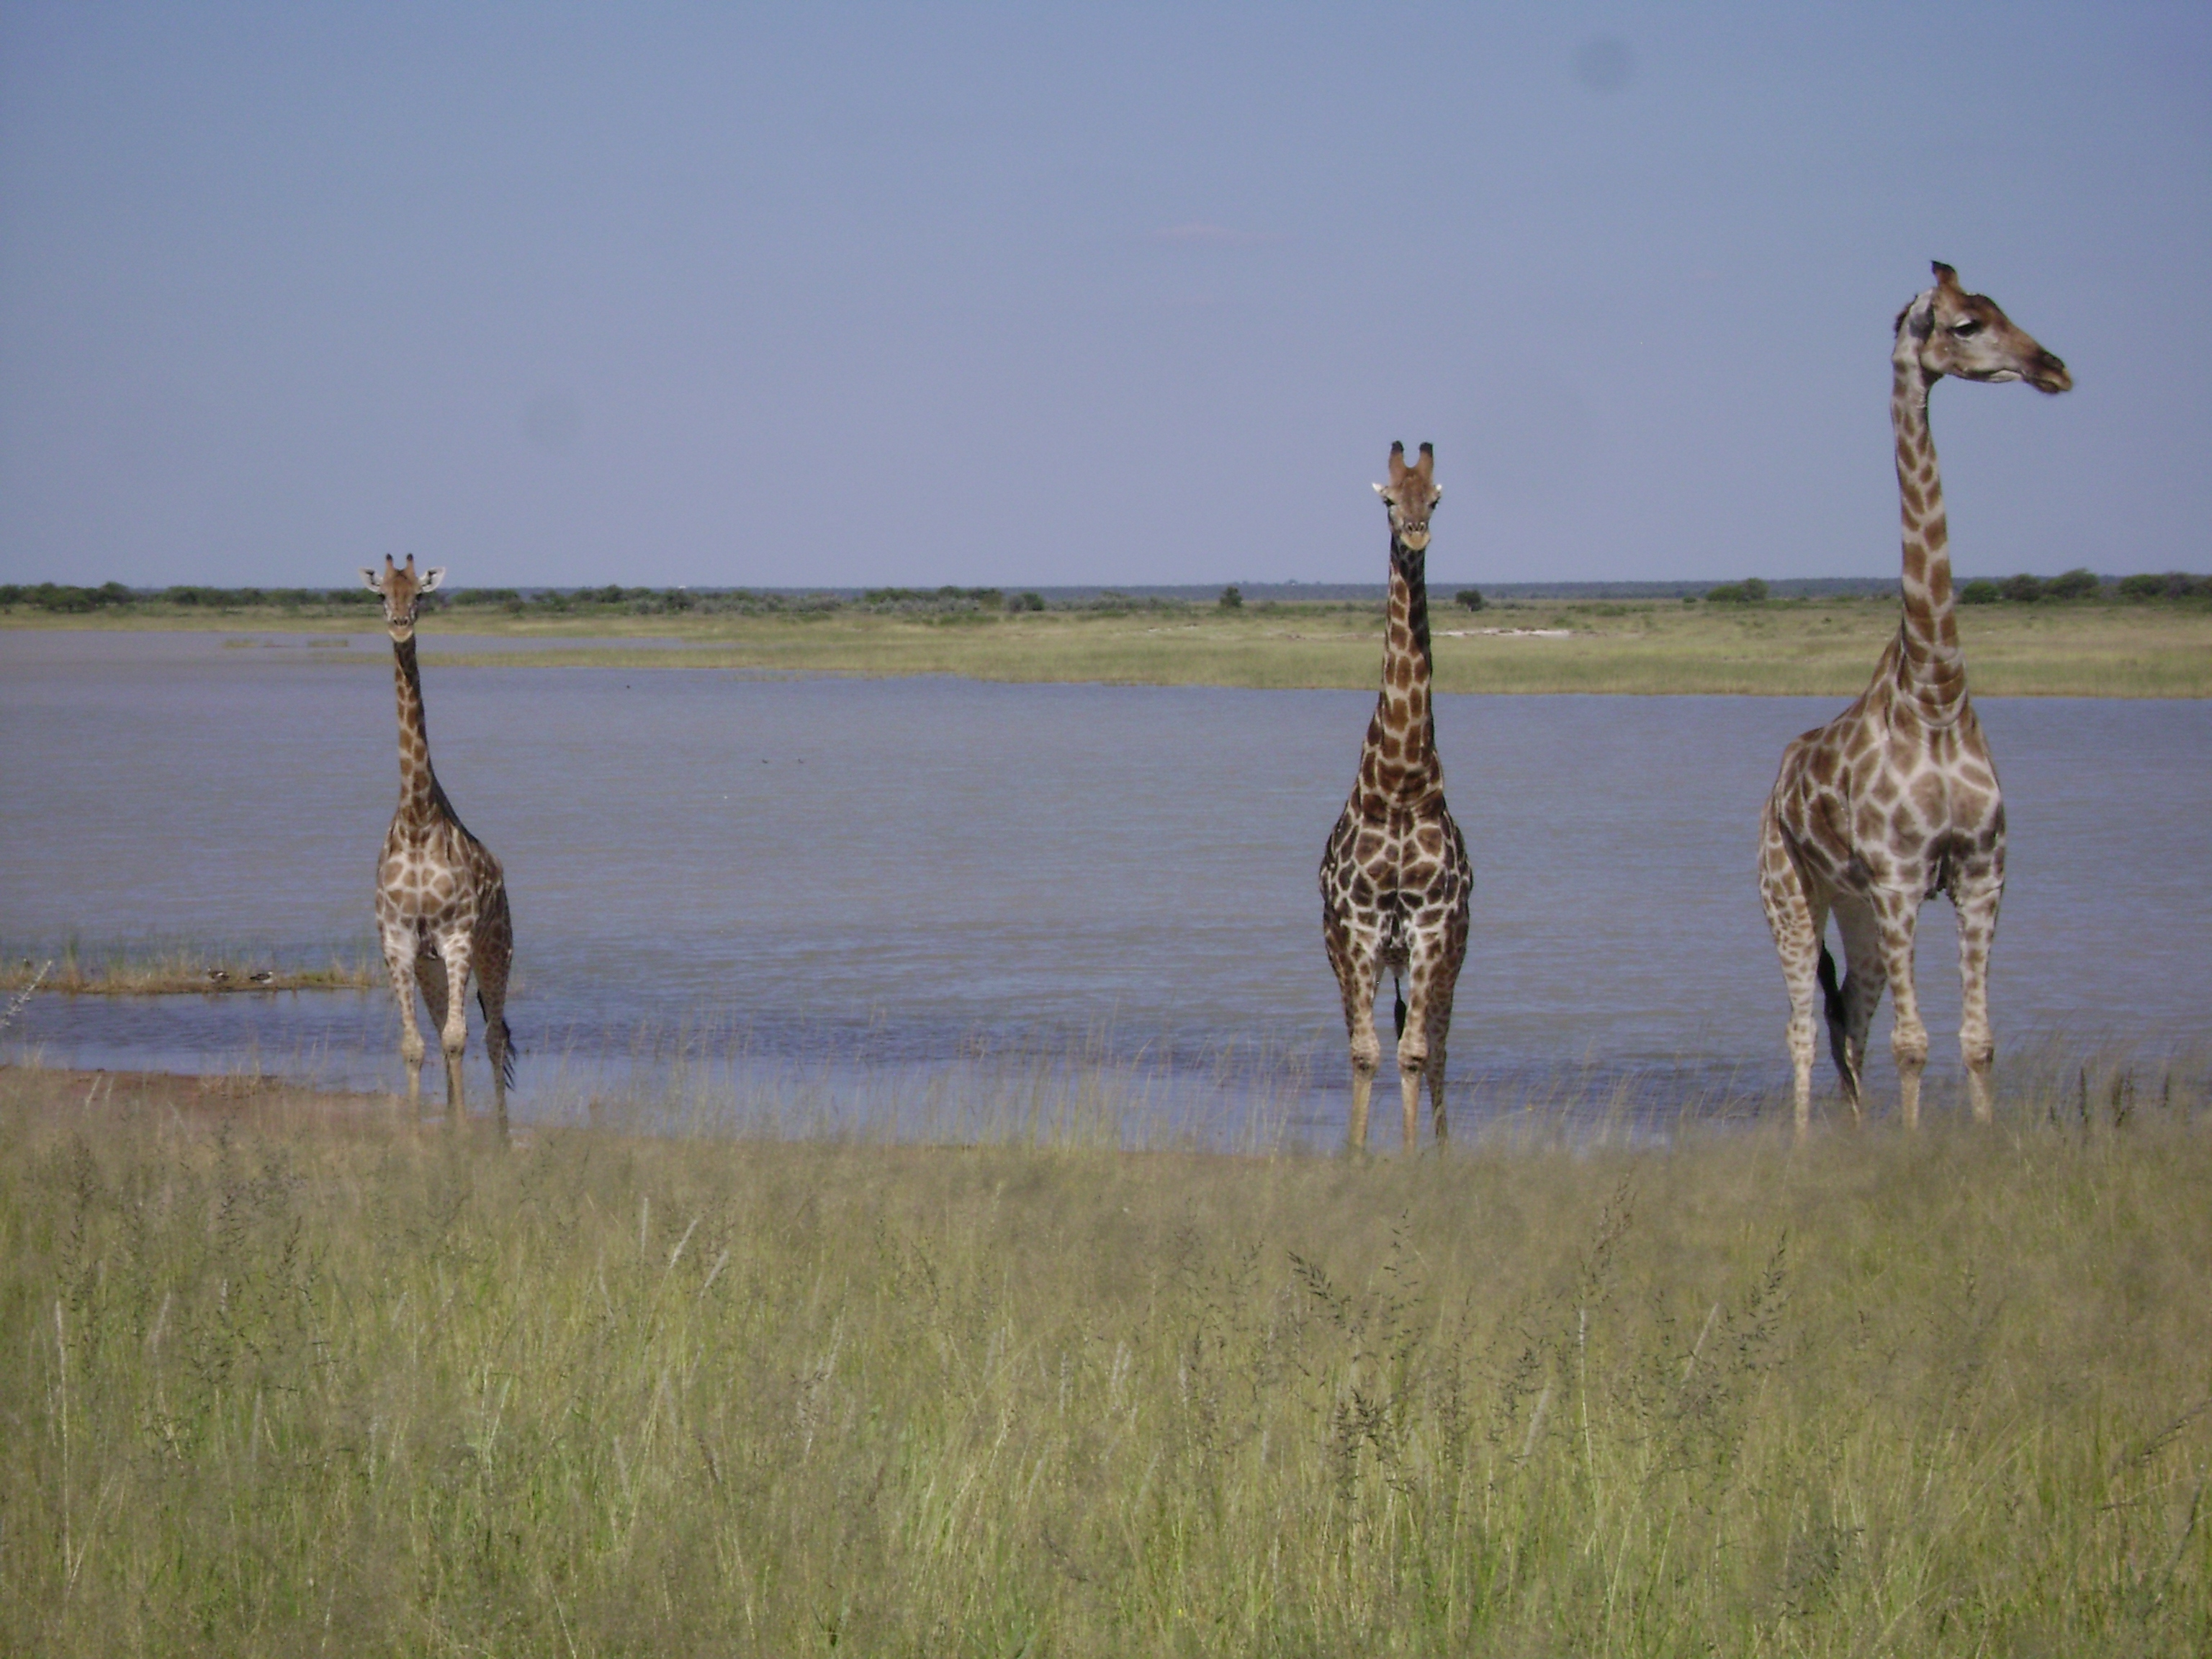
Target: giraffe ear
1380 490
369 575
437 575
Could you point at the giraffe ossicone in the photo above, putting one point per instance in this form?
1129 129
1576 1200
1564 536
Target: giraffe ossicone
1394 876
441 911
1896 799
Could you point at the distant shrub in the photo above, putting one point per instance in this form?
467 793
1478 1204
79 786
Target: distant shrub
2172 584
1026 601
67 600
1750 591
2076 584
475 596
2022 589
1468 598
1230 599
1980 591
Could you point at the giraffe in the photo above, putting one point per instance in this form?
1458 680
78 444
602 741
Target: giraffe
1395 876
440 895
1896 799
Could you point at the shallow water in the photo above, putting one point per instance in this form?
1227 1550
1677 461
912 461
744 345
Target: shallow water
812 875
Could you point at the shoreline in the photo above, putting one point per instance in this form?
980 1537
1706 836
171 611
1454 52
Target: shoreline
1814 647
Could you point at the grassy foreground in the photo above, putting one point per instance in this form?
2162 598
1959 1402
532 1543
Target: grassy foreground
283 1374
2087 648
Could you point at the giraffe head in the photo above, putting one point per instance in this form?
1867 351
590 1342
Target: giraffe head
402 591
1410 496
1947 331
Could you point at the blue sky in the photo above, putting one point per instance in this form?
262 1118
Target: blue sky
783 296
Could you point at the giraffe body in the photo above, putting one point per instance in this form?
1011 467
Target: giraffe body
442 909
1896 799
1395 876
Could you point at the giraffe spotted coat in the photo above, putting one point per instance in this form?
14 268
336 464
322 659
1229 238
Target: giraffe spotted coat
1394 876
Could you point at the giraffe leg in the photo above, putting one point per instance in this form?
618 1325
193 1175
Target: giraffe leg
1897 914
1866 975
453 1035
399 962
1440 1013
1975 895
1791 919
495 954
430 974
1354 961
1419 1056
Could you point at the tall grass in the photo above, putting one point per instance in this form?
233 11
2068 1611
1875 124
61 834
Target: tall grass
278 1382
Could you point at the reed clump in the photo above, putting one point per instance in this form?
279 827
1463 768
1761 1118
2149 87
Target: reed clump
278 1382
158 967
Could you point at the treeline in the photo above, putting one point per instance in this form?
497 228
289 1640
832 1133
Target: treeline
942 602
2078 583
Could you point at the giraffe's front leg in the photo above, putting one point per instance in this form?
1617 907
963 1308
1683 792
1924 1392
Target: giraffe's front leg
454 1036
1975 895
398 944
1897 916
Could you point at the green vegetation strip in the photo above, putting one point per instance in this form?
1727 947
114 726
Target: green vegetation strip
174 970
286 1375
2148 645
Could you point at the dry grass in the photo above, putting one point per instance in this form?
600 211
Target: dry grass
1824 648
284 1374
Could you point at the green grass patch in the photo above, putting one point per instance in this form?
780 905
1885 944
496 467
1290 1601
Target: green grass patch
299 1376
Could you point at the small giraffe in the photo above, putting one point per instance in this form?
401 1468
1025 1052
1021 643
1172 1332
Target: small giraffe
1896 798
1395 877
440 897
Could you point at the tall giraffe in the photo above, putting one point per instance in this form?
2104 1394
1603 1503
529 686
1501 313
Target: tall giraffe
440 895
1896 798
1395 877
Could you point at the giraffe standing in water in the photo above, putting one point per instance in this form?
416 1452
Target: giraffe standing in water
440 895
1896 798
1395 877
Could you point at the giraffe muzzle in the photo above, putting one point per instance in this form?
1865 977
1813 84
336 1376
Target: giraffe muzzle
2050 374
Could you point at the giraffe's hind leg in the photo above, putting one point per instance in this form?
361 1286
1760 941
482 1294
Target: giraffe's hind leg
430 974
1355 963
1896 916
494 956
1866 975
453 1030
1796 926
1975 894
1440 991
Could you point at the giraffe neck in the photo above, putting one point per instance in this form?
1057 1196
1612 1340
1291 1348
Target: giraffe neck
1931 666
421 800
1399 761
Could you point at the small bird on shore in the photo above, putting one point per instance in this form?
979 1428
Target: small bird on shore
217 976
262 977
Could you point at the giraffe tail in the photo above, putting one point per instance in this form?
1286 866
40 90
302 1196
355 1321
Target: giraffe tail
499 1039
1840 1045
1398 1013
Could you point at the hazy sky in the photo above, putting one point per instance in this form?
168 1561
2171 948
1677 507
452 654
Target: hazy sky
798 294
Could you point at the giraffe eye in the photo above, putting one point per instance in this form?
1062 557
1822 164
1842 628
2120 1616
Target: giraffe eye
1967 330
